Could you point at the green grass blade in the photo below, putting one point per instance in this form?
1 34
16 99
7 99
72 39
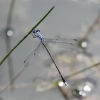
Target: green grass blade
26 36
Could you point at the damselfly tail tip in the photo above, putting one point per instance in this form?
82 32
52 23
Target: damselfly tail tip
66 84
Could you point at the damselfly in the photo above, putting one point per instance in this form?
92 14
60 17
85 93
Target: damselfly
62 42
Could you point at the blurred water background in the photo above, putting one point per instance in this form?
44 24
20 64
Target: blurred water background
69 19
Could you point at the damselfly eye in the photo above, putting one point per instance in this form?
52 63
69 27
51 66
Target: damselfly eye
34 31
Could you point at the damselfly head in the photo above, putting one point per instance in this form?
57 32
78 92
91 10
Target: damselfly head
35 33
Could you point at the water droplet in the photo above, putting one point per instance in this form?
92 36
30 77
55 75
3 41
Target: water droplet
9 32
84 44
61 84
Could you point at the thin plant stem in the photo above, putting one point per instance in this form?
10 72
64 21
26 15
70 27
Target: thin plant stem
78 72
8 39
26 36
50 85
54 84
8 85
89 30
9 18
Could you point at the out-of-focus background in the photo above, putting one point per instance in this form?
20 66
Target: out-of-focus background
69 19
